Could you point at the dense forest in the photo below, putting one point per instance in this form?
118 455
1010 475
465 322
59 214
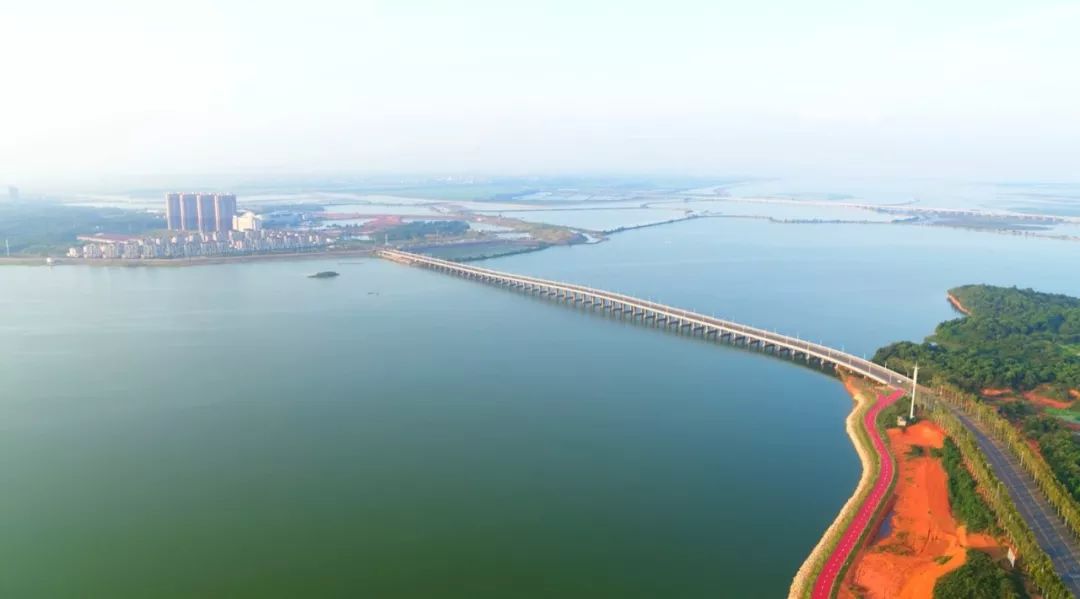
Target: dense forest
1017 338
978 578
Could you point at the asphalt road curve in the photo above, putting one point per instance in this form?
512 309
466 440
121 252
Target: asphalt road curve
1050 531
826 580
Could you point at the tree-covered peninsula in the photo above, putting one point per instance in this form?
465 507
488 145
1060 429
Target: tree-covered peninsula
1015 338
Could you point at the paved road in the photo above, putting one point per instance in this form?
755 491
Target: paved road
1050 531
826 580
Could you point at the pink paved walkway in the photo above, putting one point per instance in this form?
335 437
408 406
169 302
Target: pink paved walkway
826 580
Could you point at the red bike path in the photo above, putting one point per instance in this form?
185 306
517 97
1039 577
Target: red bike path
826 580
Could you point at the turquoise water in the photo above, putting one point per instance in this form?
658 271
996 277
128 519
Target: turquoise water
242 430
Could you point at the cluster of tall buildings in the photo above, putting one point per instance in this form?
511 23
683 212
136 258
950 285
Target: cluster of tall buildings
203 212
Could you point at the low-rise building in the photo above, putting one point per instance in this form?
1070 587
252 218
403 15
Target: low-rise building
246 221
194 244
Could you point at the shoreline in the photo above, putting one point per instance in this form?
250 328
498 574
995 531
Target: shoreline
872 507
957 305
182 262
807 573
602 234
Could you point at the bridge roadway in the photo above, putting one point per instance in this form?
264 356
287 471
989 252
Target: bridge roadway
1050 530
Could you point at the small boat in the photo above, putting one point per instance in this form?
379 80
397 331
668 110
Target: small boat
325 274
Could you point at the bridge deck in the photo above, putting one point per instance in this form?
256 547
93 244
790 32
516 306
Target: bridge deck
617 302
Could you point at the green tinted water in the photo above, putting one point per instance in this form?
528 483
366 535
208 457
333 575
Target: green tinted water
241 430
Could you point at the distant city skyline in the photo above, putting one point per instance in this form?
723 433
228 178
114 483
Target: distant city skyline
204 212
962 89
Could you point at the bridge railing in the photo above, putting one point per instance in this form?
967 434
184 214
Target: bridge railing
820 351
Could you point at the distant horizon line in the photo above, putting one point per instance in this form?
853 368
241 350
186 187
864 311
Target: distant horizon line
464 178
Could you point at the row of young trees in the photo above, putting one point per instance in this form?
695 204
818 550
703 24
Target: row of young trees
964 499
1003 431
1058 446
1035 561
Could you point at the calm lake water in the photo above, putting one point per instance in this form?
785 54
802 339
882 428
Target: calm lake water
242 430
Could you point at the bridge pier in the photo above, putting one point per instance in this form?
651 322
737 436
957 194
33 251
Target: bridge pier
654 314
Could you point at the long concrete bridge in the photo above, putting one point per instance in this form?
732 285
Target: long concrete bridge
662 316
1049 528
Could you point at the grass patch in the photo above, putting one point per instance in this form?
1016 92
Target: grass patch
1067 414
887 418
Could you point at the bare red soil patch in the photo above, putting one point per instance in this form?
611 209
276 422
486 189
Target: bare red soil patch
1042 400
956 304
991 392
924 541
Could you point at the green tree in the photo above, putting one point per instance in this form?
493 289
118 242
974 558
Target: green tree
978 578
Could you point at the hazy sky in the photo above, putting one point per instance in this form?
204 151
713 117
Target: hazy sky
974 89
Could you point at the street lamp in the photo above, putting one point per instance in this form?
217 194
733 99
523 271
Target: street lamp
914 388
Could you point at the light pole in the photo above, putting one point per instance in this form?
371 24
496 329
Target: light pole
914 387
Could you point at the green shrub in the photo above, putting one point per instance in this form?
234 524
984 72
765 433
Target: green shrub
978 578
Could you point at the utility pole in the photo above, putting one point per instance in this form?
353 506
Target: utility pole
914 386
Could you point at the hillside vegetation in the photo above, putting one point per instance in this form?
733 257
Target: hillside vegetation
1017 338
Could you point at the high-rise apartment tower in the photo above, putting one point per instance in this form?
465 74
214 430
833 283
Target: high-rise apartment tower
224 210
189 212
172 211
204 212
